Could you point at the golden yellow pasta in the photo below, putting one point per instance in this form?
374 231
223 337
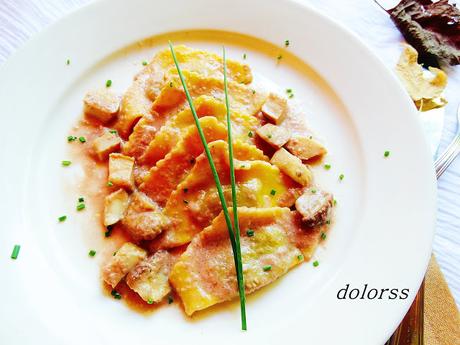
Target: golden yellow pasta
205 274
205 105
161 199
169 172
243 99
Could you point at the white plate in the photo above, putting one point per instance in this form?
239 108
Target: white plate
386 207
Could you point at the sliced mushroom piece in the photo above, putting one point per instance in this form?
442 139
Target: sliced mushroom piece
274 135
115 206
149 278
315 207
275 108
128 256
106 144
292 166
101 104
121 169
144 219
305 148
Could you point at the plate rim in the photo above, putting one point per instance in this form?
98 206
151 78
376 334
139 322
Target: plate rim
89 6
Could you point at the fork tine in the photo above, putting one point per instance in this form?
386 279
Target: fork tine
448 156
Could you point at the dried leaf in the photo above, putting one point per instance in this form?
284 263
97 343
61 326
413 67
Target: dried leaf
425 87
433 28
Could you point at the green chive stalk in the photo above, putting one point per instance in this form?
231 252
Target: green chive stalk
236 224
217 182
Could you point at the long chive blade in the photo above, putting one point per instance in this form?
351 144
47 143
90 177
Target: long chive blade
236 224
210 161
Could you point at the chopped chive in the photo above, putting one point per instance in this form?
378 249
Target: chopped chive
81 199
67 62
315 263
310 137
323 236
144 63
171 84
327 166
273 192
250 134
62 218
269 136
288 91
66 163
115 294
108 83
244 56
114 253
71 138
113 131
386 153
15 253
335 202
328 221
253 91
185 190
286 43
170 299
109 184
150 301
279 57
92 253
313 191
341 176
233 235
300 257
81 206
250 233
82 139
267 268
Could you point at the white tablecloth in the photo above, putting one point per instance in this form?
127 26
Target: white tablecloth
21 19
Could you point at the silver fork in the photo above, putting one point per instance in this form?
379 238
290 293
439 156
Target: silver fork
448 156
410 331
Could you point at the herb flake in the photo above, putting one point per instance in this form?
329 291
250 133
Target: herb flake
15 253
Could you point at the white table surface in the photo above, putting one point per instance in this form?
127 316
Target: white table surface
21 19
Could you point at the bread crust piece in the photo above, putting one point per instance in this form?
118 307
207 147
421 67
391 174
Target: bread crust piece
121 170
275 108
102 105
144 219
121 263
305 148
149 278
106 144
292 166
115 205
274 135
315 207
